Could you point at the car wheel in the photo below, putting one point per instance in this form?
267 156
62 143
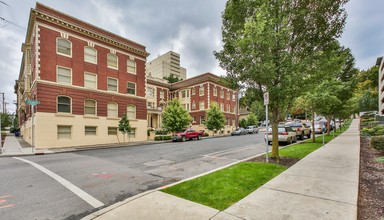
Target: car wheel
199 137
301 137
295 140
183 139
269 142
309 135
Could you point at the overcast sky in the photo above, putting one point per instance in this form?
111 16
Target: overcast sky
191 28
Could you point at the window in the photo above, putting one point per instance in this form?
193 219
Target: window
151 105
233 97
201 105
202 119
151 92
132 133
201 91
161 94
90 55
193 91
63 132
214 91
63 46
194 119
89 107
64 75
228 96
221 93
90 130
193 105
131 66
222 107
228 108
112 110
112 130
186 107
63 104
112 84
90 80
131 112
112 60
131 88
183 94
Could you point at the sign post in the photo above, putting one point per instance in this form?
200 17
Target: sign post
32 103
266 102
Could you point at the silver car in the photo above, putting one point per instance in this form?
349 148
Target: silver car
286 135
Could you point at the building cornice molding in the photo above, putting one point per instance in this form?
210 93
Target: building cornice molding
84 31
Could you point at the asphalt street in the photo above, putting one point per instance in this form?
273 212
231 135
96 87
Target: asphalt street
72 185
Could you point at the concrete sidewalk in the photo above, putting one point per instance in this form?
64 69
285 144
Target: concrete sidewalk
12 147
323 185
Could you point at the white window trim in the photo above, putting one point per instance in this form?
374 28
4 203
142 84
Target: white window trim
57 47
117 84
95 80
95 55
134 62
135 88
203 91
57 75
135 112
148 88
95 106
117 110
57 104
200 105
215 91
117 61
63 138
90 127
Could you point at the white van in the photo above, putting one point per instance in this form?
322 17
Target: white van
252 129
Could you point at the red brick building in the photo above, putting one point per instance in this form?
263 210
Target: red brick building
85 78
196 95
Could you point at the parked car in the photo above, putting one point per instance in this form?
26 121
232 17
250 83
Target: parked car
319 128
300 129
286 135
187 134
239 131
252 129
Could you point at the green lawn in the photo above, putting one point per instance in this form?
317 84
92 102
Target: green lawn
223 188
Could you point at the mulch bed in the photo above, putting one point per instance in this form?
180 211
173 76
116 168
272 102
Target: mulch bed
371 186
284 161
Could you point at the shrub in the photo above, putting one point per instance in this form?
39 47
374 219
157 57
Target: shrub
375 131
367 119
206 134
161 132
163 138
377 142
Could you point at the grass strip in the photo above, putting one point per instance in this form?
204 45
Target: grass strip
225 187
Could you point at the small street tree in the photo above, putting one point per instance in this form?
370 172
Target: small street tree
243 123
215 119
125 127
175 117
252 119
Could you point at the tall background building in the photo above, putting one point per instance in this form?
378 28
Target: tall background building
165 65
380 63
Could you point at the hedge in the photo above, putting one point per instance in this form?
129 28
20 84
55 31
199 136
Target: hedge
163 138
375 131
377 142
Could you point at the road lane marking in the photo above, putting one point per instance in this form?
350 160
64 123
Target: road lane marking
76 190
2 200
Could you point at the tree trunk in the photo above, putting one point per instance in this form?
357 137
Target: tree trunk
329 124
275 139
313 127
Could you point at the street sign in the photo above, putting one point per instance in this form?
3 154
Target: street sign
32 102
266 98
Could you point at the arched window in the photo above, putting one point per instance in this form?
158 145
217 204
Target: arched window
89 107
63 104
90 55
112 60
112 109
131 112
63 46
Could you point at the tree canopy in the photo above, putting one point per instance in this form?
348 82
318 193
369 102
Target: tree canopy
215 118
271 46
175 117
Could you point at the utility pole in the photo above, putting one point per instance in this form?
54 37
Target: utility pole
1 139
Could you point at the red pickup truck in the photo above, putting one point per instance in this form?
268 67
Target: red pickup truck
188 134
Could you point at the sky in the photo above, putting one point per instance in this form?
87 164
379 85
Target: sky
191 28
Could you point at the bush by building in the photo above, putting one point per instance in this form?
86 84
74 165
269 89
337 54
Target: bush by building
377 142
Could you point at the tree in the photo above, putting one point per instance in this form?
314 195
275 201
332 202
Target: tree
175 117
243 123
6 120
171 78
252 119
215 118
271 46
125 127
